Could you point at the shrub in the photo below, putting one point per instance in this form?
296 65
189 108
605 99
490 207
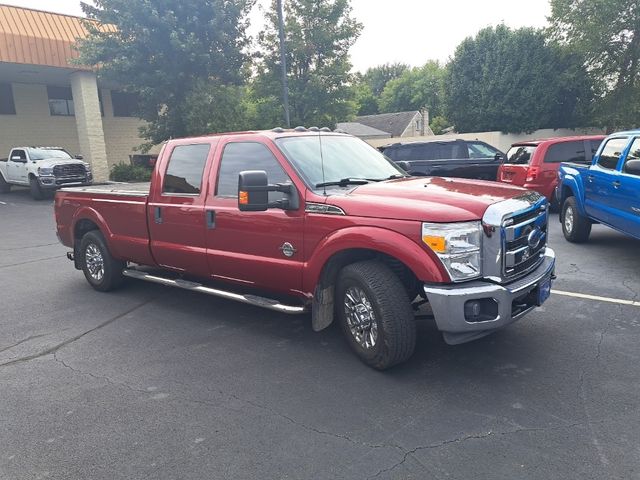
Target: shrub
123 172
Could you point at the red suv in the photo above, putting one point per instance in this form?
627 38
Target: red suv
534 164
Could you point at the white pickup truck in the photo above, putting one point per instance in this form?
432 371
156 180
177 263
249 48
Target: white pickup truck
43 170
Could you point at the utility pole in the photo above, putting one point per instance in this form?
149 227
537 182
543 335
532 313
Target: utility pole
283 62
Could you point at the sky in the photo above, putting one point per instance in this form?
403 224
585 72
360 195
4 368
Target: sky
407 31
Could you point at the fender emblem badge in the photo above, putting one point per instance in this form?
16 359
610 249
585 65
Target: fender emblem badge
287 249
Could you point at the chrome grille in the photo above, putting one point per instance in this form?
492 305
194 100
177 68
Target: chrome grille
524 240
71 170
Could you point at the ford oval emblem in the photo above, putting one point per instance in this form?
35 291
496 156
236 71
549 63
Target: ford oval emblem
534 238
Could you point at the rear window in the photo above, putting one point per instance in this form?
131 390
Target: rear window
566 152
520 154
186 166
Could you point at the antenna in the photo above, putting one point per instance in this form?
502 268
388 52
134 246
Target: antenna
322 162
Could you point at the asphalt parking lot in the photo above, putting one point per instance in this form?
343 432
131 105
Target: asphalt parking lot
150 382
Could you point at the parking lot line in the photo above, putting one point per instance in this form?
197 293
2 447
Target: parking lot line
597 298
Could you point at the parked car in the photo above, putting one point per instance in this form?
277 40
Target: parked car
447 158
607 191
534 164
307 220
43 170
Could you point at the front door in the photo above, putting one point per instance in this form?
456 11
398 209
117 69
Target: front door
627 201
258 249
176 215
17 167
600 181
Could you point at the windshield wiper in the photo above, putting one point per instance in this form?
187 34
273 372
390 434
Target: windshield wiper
390 177
344 182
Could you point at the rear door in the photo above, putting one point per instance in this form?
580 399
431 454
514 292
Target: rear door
176 213
566 151
627 200
601 179
516 164
258 249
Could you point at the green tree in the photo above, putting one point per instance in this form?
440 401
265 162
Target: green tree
369 86
166 52
513 81
607 34
318 36
439 124
415 88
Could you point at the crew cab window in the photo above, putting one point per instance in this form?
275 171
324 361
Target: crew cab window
241 156
566 152
634 152
19 153
611 153
185 169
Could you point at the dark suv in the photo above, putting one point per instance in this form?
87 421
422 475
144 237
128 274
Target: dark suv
447 158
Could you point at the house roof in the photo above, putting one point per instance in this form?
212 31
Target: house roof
360 130
36 37
393 123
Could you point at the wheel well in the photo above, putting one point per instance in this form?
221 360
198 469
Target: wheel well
82 227
322 312
566 192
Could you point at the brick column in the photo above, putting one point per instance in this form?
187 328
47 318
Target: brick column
84 88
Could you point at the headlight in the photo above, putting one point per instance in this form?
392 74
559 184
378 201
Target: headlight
45 171
458 245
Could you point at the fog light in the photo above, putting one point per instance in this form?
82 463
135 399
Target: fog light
481 310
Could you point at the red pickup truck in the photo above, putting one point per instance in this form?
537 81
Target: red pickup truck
302 220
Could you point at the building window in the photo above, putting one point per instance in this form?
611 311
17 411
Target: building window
60 101
7 105
124 104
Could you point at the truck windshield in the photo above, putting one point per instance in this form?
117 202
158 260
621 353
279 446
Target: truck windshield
520 154
44 153
343 158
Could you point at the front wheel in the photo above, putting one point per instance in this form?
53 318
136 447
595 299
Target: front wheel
102 271
36 190
375 314
575 227
4 186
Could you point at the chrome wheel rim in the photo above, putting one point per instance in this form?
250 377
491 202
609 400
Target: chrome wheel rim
568 220
94 262
361 318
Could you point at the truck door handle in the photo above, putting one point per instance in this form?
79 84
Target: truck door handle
616 184
590 178
211 219
157 214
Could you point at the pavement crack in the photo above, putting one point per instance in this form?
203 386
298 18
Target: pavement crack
24 340
69 341
27 247
30 261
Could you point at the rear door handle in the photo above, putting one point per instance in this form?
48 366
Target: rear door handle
211 219
157 214
616 184
636 210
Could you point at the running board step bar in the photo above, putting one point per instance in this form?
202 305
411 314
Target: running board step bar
263 302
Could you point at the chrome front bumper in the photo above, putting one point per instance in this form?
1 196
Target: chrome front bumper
514 300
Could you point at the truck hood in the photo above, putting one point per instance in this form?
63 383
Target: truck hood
52 162
429 199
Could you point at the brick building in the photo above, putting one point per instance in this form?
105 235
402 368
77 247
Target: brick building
47 100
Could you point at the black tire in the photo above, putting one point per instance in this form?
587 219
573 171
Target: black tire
4 186
36 191
387 299
93 250
575 227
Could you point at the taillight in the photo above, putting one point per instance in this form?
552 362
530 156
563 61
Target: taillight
532 173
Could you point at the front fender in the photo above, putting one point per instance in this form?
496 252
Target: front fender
423 263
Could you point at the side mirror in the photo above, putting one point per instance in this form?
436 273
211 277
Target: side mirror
404 165
632 167
79 157
253 193
16 158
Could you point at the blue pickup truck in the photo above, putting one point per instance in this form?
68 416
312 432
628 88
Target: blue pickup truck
607 191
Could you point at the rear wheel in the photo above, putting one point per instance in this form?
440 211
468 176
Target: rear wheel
36 190
101 270
575 227
375 314
4 186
